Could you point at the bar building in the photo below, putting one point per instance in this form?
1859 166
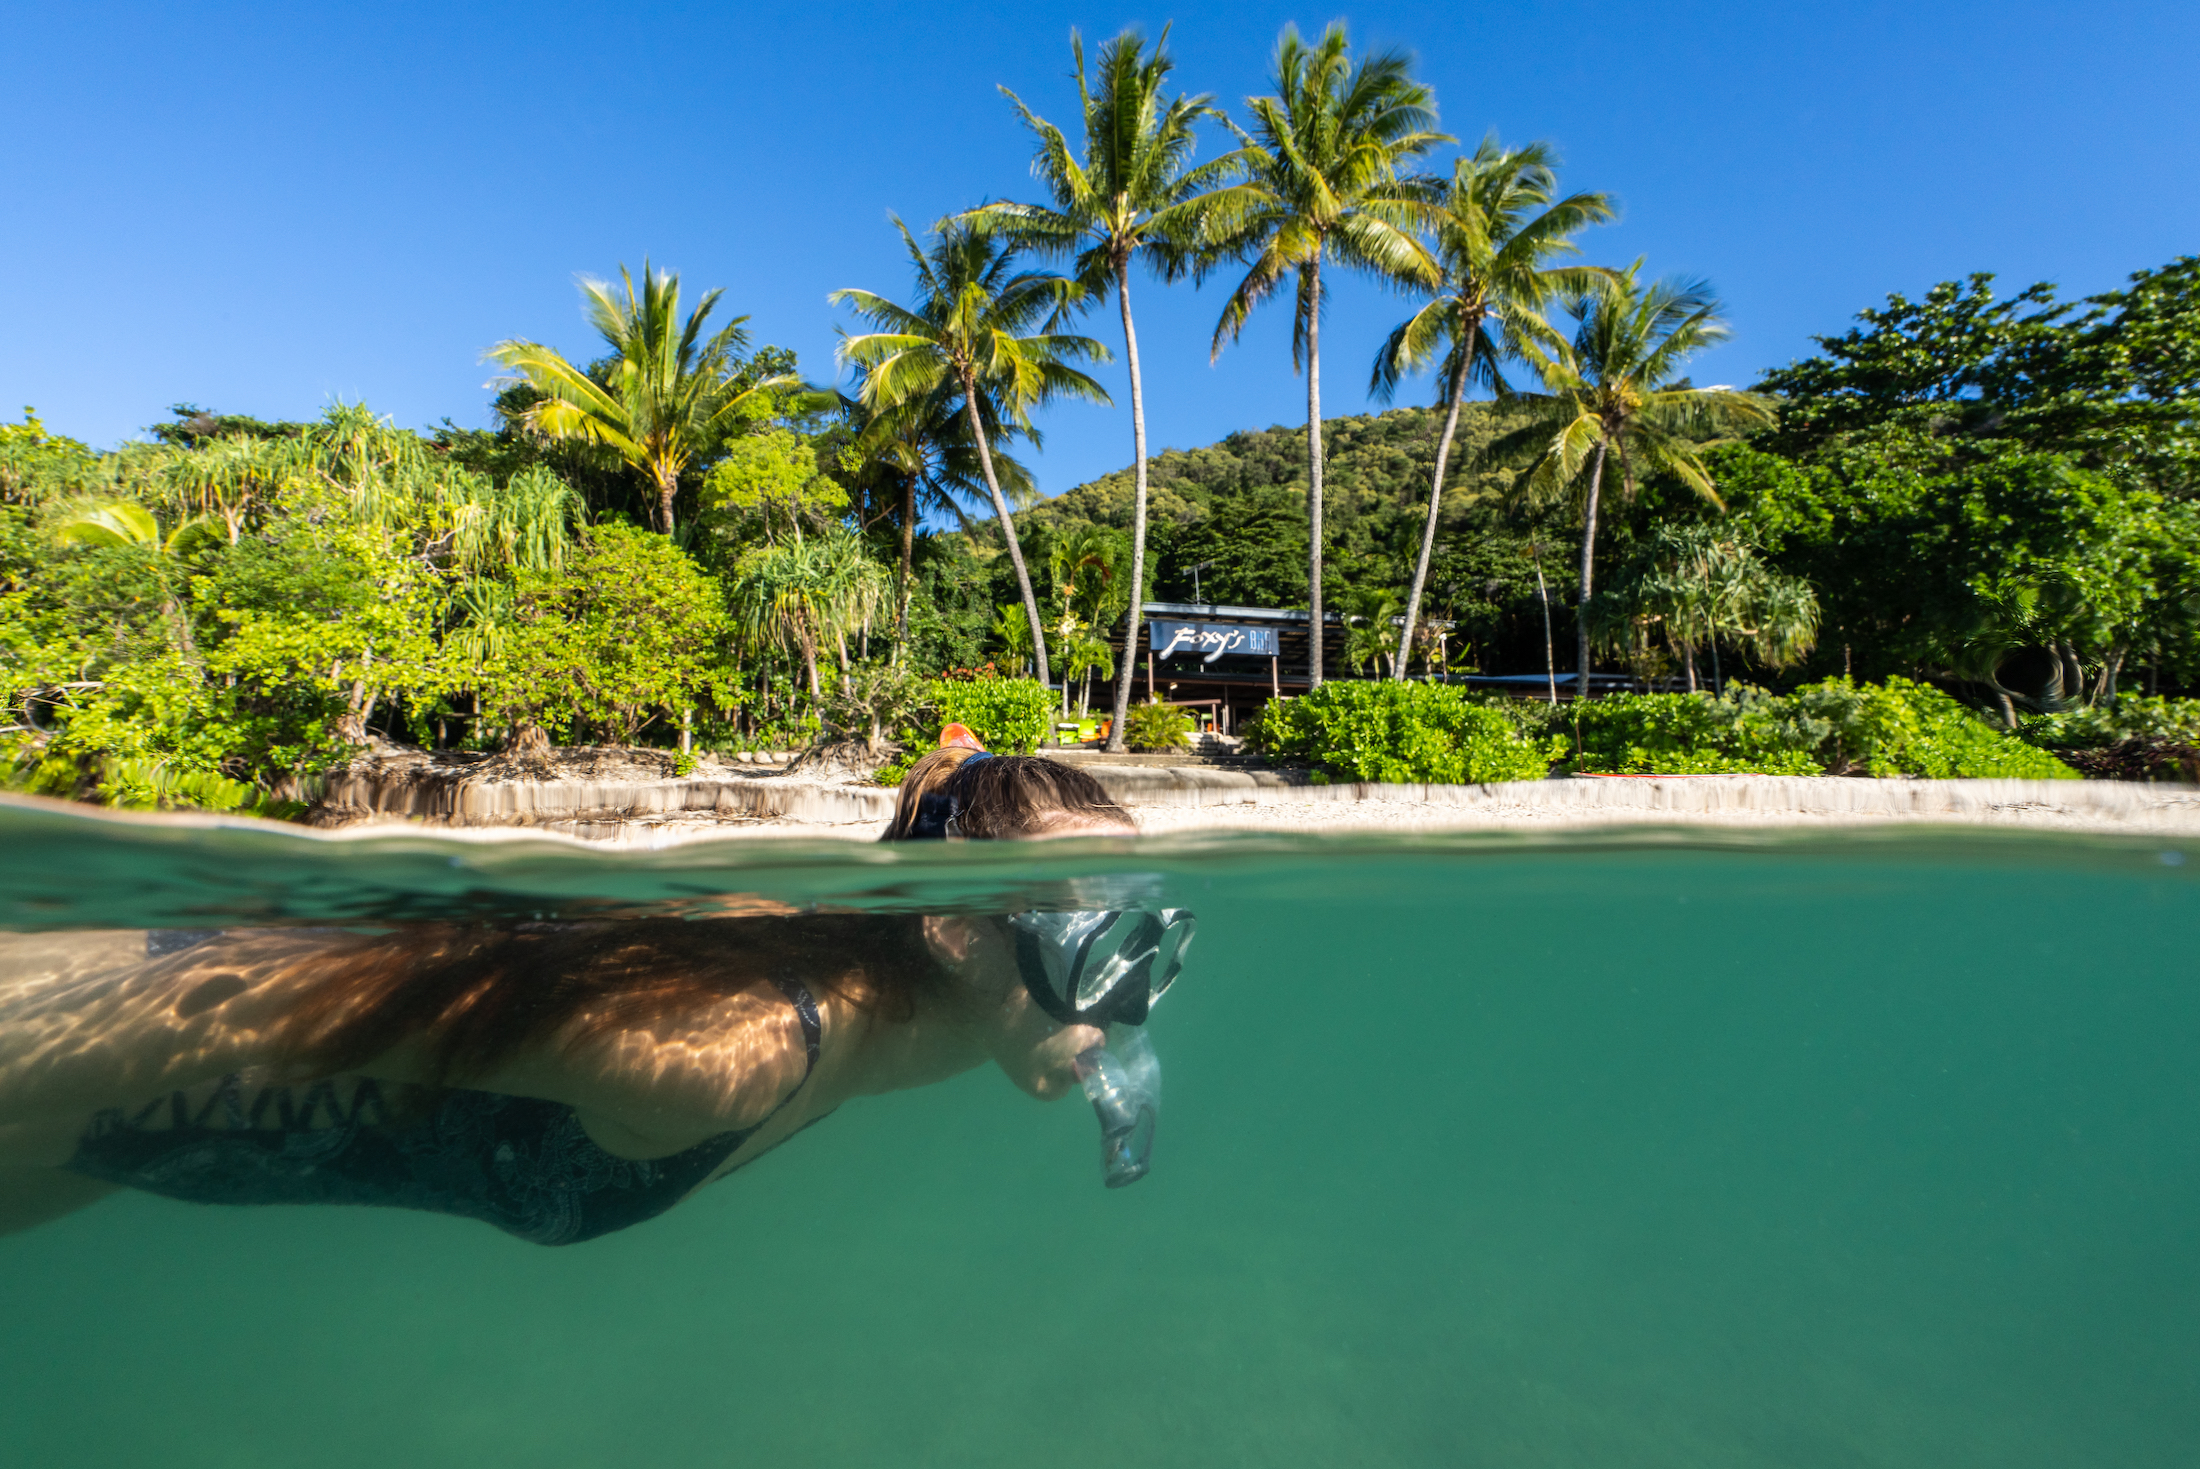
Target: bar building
1225 662
1228 661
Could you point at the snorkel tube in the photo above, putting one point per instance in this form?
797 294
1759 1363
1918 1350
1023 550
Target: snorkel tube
1106 968
1125 1092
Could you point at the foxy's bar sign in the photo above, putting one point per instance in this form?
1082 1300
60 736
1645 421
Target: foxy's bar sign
1211 640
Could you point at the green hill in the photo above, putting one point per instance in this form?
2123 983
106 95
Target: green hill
1238 507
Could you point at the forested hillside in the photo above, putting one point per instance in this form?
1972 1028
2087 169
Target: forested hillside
1238 509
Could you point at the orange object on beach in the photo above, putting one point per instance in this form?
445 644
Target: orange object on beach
959 736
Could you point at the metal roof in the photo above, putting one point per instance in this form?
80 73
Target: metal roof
1231 614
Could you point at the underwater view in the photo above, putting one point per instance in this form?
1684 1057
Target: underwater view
1843 1149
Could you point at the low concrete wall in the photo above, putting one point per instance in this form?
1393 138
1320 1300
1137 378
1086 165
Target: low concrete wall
1589 796
439 798
656 811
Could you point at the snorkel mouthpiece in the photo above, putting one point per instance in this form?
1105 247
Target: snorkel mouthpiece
1125 1092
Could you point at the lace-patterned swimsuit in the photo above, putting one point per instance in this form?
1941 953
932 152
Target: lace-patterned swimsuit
519 1163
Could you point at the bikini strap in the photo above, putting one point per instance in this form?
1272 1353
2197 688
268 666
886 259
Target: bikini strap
805 1009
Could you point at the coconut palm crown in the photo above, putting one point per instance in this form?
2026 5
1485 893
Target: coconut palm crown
1616 387
1496 230
669 392
986 329
1320 177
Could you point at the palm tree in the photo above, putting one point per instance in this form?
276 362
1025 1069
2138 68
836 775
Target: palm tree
1133 193
922 448
1617 387
1368 612
1319 179
1494 259
984 329
668 393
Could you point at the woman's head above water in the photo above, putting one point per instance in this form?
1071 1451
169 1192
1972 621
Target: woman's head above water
958 791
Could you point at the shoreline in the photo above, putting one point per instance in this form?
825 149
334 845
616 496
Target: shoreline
640 814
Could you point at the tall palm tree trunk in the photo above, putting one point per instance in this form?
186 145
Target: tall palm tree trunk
1550 655
668 485
1588 567
1008 526
1138 516
1455 392
908 547
1314 473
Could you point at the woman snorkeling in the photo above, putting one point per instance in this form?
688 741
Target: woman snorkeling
563 1080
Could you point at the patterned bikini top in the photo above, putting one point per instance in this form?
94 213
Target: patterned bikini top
520 1163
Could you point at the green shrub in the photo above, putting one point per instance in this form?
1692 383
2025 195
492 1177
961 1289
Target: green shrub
2130 718
1905 728
1008 715
628 631
1157 726
1410 732
1830 728
1677 734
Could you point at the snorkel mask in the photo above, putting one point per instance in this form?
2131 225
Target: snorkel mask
1106 968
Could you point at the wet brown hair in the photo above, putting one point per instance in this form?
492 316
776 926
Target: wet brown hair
478 995
1001 796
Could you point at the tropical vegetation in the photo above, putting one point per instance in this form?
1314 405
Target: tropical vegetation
1961 538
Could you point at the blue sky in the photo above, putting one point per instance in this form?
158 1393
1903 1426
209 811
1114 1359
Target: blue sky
263 208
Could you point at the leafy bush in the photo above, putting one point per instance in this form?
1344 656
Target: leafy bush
1403 732
1677 734
894 771
1830 728
2130 718
1008 715
2135 739
1157 726
629 630
1905 728
872 698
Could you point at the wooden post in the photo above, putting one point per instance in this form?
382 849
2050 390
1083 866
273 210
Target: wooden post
1275 676
1149 675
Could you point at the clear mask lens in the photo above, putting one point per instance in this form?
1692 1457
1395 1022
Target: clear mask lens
1101 966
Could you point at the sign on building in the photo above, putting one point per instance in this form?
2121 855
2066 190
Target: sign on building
1211 640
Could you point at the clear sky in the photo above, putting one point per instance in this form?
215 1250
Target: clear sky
261 208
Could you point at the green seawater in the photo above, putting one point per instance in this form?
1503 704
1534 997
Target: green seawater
1656 1150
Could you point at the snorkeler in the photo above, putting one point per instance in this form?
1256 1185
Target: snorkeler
564 1080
